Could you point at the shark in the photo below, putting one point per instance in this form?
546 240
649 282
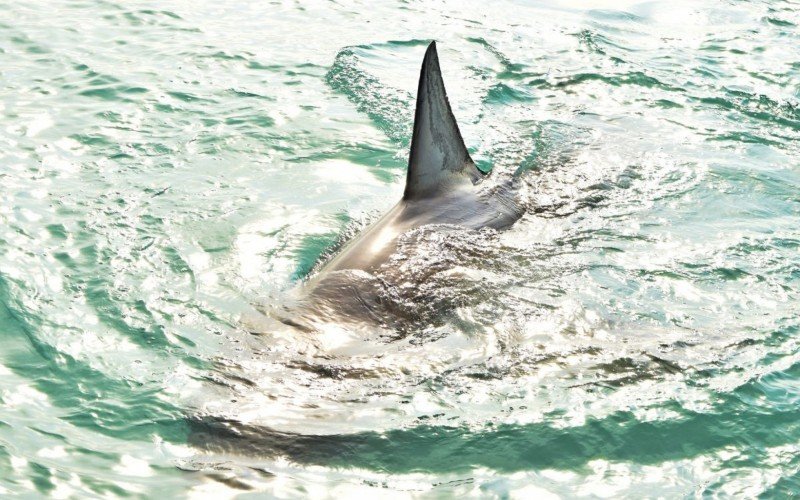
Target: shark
443 187
352 292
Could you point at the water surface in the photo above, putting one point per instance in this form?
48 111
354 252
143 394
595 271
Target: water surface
170 171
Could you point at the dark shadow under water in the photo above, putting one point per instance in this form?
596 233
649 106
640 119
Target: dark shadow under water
510 448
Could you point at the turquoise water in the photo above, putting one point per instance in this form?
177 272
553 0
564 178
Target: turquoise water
170 171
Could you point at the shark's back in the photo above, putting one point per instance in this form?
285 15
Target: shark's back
443 185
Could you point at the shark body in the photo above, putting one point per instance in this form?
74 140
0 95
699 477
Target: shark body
443 186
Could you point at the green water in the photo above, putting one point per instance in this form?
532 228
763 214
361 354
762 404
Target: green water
170 171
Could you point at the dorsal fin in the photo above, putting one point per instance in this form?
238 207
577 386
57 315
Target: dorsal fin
439 160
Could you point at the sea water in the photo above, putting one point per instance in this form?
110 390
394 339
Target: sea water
171 171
